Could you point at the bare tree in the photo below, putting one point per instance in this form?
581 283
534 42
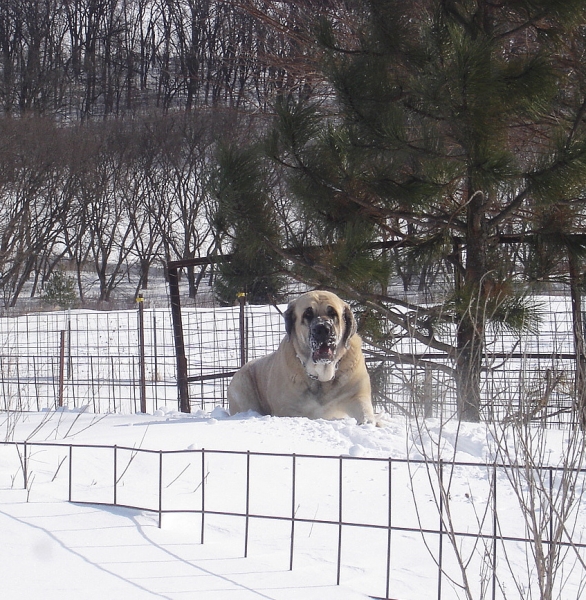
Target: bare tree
34 200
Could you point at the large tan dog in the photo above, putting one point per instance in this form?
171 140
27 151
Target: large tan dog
318 371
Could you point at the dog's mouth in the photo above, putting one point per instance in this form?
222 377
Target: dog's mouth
322 339
323 353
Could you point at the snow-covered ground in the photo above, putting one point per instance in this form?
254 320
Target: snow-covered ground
55 549
194 493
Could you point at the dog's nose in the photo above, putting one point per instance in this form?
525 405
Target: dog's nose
321 331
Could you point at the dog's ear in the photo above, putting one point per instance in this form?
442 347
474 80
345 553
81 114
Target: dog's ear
349 325
289 319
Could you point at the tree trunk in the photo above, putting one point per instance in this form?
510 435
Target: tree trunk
468 367
145 265
470 336
579 345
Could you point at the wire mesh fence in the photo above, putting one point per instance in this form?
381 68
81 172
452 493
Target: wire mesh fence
528 376
84 359
466 520
95 359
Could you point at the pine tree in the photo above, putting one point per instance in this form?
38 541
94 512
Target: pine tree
453 123
60 291
243 222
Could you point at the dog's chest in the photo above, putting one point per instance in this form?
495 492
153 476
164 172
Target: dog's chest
320 391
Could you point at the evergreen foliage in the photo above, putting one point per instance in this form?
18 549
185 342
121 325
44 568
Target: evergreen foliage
243 220
60 291
453 124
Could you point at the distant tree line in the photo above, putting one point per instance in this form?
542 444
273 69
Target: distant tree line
109 113
98 198
81 59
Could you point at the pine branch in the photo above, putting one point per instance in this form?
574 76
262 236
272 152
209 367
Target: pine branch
374 301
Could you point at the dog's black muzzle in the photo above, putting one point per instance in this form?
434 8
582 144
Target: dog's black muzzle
322 335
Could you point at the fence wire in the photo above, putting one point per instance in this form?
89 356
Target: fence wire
93 359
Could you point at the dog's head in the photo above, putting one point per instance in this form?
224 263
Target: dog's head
319 326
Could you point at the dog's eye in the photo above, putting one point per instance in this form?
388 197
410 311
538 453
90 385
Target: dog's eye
308 314
331 312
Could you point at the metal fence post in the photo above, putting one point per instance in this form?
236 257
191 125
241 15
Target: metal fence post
61 367
155 358
242 323
441 529
494 532
70 472
142 368
247 517
292 513
25 466
390 489
69 358
182 384
552 512
160 488
340 492
115 474
203 495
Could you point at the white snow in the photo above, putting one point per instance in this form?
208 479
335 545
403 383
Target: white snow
55 549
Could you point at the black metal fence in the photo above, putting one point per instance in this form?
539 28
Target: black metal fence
426 517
